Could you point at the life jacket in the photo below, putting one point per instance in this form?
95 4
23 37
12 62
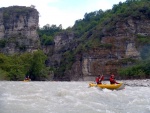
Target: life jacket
97 79
113 81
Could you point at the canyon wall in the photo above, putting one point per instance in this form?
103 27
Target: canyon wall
18 29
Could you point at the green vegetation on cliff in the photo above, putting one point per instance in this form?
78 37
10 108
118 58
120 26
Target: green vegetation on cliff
88 27
95 25
47 33
140 70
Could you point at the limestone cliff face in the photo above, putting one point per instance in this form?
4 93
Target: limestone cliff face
18 29
106 60
63 42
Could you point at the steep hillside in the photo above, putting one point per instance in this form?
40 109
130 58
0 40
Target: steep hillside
104 42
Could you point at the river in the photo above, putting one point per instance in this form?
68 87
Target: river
71 97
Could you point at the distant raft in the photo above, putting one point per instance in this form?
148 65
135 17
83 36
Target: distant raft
108 86
27 80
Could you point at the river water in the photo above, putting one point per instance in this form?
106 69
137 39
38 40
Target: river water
71 97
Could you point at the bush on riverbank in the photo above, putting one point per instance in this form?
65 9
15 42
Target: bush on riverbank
140 70
17 67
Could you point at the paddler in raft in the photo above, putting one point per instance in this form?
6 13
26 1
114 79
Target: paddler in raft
99 79
112 79
27 78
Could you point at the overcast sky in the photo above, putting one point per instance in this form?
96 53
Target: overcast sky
64 12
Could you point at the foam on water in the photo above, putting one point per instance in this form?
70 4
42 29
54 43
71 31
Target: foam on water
71 97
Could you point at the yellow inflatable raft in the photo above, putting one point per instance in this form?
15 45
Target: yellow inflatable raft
108 86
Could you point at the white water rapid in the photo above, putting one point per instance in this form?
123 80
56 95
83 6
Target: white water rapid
71 97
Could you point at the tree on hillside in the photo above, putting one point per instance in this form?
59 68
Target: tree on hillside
47 33
38 68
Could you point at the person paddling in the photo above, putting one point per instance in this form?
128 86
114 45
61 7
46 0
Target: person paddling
112 79
27 78
99 79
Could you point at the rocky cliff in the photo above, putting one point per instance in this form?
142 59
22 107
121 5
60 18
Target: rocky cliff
18 29
63 42
76 53
118 49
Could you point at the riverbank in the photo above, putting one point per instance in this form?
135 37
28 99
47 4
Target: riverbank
143 82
